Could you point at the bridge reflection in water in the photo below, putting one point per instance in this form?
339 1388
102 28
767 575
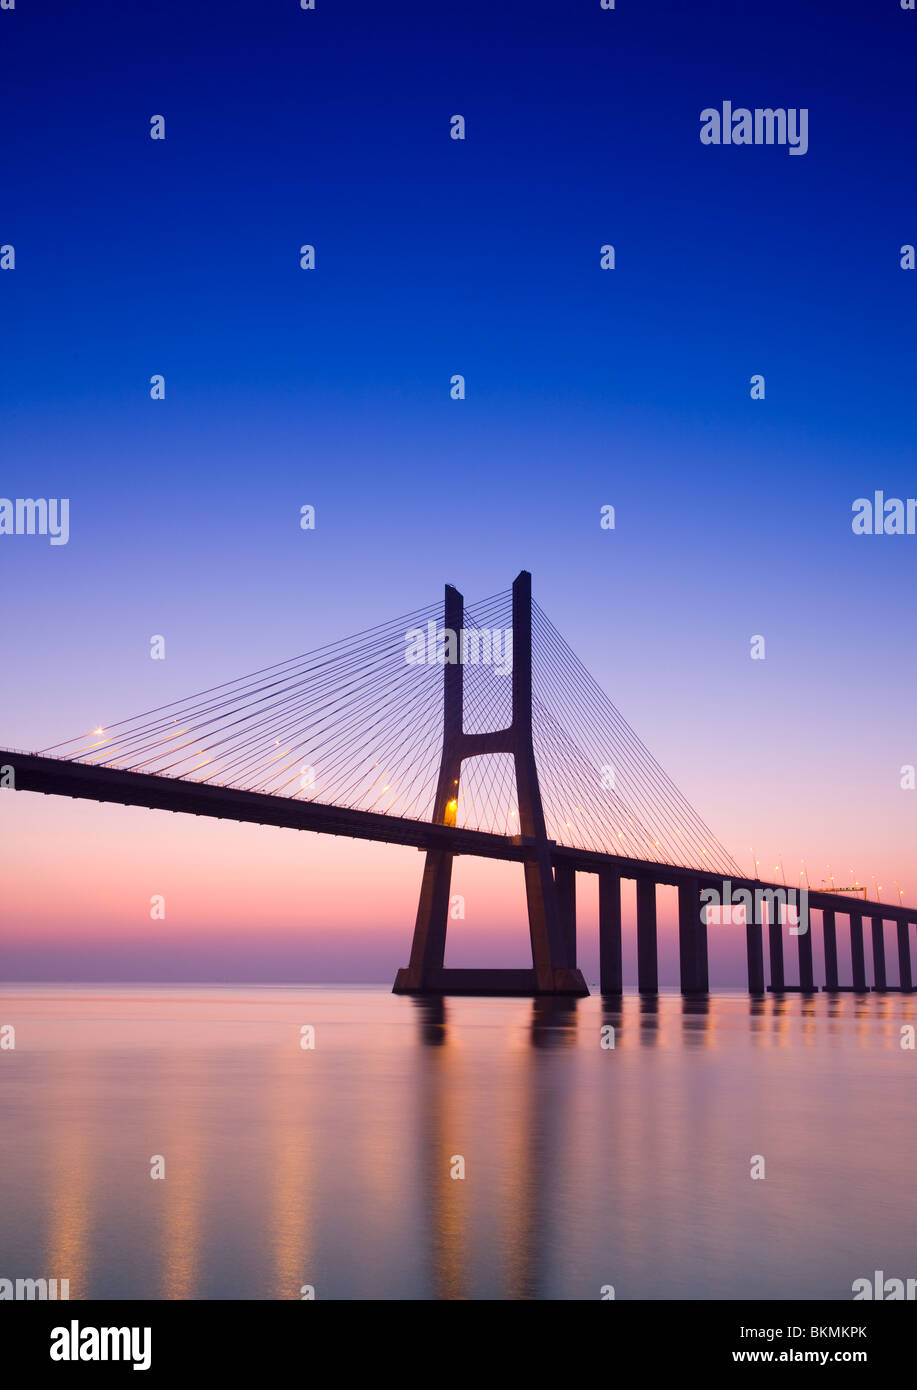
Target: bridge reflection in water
584 1166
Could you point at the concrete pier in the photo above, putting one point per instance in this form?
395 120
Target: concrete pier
857 953
647 954
904 958
804 942
611 966
692 939
879 974
565 884
775 943
829 936
754 950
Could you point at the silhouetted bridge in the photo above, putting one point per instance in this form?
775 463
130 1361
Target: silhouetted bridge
373 745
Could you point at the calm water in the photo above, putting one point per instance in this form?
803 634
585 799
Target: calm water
584 1166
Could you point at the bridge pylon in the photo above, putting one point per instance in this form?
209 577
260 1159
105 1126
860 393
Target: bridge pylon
552 934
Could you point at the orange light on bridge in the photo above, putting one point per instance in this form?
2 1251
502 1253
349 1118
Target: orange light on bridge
451 809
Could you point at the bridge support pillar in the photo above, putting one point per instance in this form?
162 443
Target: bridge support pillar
904 958
647 955
879 972
565 884
857 953
611 976
692 939
829 936
754 950
804 942
428 948
775 943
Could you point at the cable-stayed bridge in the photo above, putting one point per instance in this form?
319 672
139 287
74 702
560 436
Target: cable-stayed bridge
464 730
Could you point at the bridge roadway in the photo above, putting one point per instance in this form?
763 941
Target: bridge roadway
60 777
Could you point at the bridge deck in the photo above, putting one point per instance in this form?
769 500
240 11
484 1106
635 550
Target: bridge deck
60 777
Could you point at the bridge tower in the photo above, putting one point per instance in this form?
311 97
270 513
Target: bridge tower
553 947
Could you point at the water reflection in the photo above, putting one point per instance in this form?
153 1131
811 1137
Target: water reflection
455 1149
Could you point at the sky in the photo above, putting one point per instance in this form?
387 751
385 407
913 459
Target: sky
331 387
